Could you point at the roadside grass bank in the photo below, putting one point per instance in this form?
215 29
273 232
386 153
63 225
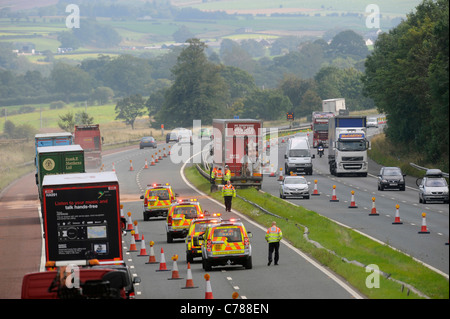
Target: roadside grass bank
387 154
344 242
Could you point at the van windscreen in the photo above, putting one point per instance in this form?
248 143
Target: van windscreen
299 153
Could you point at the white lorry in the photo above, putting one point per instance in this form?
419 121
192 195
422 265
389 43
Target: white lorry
348 145
336 106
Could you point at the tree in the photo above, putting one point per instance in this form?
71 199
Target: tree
102 95
69 79
349 43
67 122
182 34
407 77
198 91
269 104
130 108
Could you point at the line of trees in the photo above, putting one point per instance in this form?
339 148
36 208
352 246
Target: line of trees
407 77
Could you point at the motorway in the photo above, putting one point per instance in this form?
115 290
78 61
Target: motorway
297 276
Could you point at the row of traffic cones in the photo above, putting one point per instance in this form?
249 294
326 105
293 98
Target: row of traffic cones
175 273
152 163
373 212
163 265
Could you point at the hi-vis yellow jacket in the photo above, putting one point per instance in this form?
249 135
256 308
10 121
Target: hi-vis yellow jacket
274 234
228 190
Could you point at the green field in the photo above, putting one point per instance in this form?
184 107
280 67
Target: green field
42 31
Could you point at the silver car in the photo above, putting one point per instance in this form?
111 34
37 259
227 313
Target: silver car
294 186
433 187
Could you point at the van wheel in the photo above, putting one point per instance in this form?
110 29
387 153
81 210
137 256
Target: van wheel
206 265
248 264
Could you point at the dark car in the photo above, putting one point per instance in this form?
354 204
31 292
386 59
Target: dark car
148 141
172 136
391 177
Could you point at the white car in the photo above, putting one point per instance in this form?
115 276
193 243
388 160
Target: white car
433 187
372 122
294 186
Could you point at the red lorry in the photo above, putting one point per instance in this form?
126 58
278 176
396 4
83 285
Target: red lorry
238 143
89 138
319 126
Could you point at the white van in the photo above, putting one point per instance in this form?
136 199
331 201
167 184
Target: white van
298 156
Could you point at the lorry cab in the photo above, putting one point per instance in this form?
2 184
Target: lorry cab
298 157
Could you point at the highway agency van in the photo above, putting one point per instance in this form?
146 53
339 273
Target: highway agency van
180 216
298 156
226 243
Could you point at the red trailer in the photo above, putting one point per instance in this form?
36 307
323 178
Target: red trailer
238 143
319 126
89 138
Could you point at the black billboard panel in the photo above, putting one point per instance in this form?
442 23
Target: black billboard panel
82 223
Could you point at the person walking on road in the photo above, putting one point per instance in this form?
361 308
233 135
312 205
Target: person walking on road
228 192
273 237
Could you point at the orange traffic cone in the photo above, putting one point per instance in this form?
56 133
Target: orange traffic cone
397 216
423 229
136 231
333 197
208 292
352 203
152 163
113 168
131 165
169 150
272 171
164 155
129 222
146 164
373 212
175 273
152 258
315 192
162 264
280 174
132 243
189 281
143 251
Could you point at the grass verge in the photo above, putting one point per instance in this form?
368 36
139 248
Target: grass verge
343 241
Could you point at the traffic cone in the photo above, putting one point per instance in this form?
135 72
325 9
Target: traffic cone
136 231
315 192
333 197
280 174
131 165
208 292
152 258
272 172
423 229
352 203
169 150
121 211
132 243
164 150
397 216
159 156
113 168
175 273
373 212
143 251
129 223
146 164
189 281
162 264
152 163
